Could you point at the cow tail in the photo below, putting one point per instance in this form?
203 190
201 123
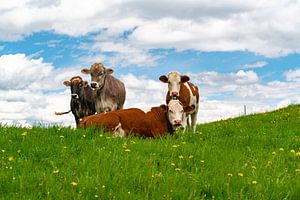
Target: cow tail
62 113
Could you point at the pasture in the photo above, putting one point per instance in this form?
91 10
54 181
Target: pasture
250 157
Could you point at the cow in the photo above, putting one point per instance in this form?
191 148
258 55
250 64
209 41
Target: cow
159 121
187 93
109 92
82 99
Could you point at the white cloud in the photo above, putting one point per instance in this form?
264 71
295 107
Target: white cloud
293 75
259 64
227 25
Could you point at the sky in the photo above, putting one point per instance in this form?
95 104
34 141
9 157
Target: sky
237 52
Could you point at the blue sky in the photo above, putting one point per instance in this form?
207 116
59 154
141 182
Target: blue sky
235 52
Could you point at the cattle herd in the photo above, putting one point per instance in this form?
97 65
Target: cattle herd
100 104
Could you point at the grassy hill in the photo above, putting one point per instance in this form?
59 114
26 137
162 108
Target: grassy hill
250 157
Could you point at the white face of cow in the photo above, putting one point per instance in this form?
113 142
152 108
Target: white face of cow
174 79
175 113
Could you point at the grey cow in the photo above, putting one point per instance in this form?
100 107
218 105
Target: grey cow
109 91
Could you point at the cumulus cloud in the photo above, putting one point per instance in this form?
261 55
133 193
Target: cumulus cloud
226 25
293 75
259 64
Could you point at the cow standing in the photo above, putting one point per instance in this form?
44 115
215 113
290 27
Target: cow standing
180 88
109 91
82 99
159 121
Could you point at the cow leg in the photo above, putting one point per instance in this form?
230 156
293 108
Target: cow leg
77 122
194 121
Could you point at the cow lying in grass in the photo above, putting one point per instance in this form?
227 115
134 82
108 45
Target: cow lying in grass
159 121
82 99
187 93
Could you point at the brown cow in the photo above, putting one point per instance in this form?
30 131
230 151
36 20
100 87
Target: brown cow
82 100
109 91
186 92
159 121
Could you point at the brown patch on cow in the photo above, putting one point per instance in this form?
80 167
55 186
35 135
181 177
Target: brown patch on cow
195 90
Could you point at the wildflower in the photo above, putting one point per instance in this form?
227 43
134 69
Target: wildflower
298 153
292 151
180 157
191 156
3 150
10 158
229 174
65 147
74 183
14 178
103 186
202 161
253 167
240 174
297 170
177 169
175 146
254 182
128 192
127 150
24 134
173 164
84 135
281 149
96 196
55 171
61 136
270 163
273 153
132 142
101 135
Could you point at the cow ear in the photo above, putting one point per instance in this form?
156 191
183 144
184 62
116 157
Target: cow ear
85 71
163 79
85 83
109 71
67 83
164 107
184 79
188 108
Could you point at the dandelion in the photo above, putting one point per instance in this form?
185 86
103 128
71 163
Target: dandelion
273 153
61 136
180 157
240 174
298 153
191 156
253 167
96 196
175 146
229 174
74 183
254 182
172 164
281 149
270 163
101 135
10 158
103 186
14 178
177 169
3 150
202 161
24 133
65 147
83 135
127 150
128 192
56 171
292 151
297 170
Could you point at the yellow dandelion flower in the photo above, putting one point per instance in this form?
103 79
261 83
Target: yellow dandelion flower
65 147
292 151
240 174
56 171
229 174
297 170
61 136
127 150
298 153
24 133
10 158
180 157
173 164
96 196
74 183
177 169
101 135
103 186
175 146
202 161
14 178
253 167
273 153
254 182
3 150
281 149
128 192
83 135
191 156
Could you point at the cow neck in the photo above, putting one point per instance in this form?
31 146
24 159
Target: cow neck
170 127
99 89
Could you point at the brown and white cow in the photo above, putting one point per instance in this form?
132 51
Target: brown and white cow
82 99
187 93
159 121
109 91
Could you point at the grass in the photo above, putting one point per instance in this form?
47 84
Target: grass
250 157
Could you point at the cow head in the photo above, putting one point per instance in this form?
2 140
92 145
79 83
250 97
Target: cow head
98 73
77 84
174 79
176 112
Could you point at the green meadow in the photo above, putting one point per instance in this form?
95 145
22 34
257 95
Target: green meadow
249 157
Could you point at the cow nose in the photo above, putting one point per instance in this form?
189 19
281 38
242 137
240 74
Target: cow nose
175 94
177 122
93 84
74 96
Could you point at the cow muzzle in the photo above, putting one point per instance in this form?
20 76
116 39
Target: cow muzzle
175 95
94 84
177 123
74 96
